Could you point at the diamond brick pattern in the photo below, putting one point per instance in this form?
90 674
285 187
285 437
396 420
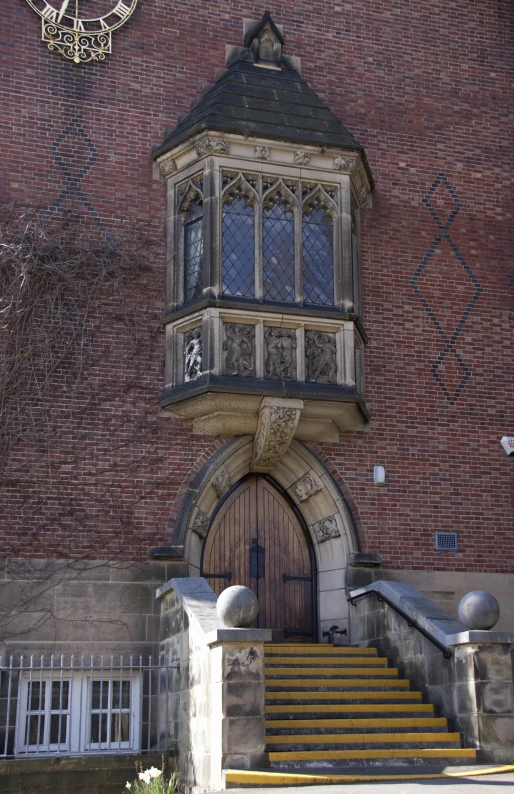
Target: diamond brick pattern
238 249
318 259
278 254
451 390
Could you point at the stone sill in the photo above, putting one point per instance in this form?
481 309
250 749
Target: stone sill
238 635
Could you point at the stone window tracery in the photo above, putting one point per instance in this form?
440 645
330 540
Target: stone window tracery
278 239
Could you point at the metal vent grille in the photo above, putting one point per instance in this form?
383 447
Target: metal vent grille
446 541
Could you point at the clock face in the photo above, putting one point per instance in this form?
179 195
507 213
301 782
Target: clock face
85 15
81 29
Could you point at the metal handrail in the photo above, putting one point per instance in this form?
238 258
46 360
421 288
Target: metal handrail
446 651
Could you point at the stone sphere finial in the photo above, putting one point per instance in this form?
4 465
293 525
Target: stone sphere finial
237 607
479 610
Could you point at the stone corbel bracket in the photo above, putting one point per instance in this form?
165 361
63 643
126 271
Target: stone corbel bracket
276 426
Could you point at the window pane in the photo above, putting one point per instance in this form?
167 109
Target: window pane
36 696
318 258
125 694
278 253
98 728
238 249
193 253
100 695
120 724
35 729
58 728
60 694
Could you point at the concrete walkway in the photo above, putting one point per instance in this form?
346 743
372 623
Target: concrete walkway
486 784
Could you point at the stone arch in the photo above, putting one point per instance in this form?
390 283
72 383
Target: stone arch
316 495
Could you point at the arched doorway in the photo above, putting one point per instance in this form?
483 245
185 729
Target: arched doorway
257 538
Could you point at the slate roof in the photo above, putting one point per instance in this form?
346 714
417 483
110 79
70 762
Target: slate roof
267 103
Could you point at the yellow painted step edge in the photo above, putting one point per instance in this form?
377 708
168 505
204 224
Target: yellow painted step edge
358 708
334 663
346 682
362 738
323 650
340 755
342 695
384 722
294 779
313 671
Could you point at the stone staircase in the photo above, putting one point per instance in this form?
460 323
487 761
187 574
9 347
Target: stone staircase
335 709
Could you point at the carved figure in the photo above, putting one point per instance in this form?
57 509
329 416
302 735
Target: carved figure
200 524
325 529
193 354
221 482
280 353
238 347
302 158
320 354
305 487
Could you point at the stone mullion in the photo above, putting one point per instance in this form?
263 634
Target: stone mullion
259 280
298 248
300 354
211 270
343 272
259 349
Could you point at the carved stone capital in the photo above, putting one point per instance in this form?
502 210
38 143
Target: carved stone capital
325 529
262 152
167 168
305 487
212 145
278 418
345 164
301 158
200 523
221 482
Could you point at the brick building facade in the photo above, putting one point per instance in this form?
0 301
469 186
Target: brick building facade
427 91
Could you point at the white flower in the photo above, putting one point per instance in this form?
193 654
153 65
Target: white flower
145 776
128 785
154 772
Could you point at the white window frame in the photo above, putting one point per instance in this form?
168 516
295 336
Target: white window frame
79 712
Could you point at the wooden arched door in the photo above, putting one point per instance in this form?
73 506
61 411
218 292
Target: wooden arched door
257 539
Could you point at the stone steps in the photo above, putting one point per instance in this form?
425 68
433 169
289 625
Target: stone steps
328 705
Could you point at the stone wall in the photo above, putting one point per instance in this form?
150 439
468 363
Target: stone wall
474 687
216 702
84 775
93 607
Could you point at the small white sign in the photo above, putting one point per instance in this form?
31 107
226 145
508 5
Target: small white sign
508 444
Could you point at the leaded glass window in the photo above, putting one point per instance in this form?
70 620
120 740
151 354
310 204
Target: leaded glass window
318 258
278 252
193 253
238 247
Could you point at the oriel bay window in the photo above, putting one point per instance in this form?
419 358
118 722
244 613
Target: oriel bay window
279 240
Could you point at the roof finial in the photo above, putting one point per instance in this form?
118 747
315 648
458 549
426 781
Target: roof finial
265 41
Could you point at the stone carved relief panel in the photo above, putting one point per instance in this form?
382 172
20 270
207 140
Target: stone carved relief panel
320 357
200 523
325 529
211 145
262 152
280 353
192 354
238 349
305 487
275 430
221 482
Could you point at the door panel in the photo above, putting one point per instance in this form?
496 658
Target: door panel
257 538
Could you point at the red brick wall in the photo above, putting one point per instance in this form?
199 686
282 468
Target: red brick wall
426 88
